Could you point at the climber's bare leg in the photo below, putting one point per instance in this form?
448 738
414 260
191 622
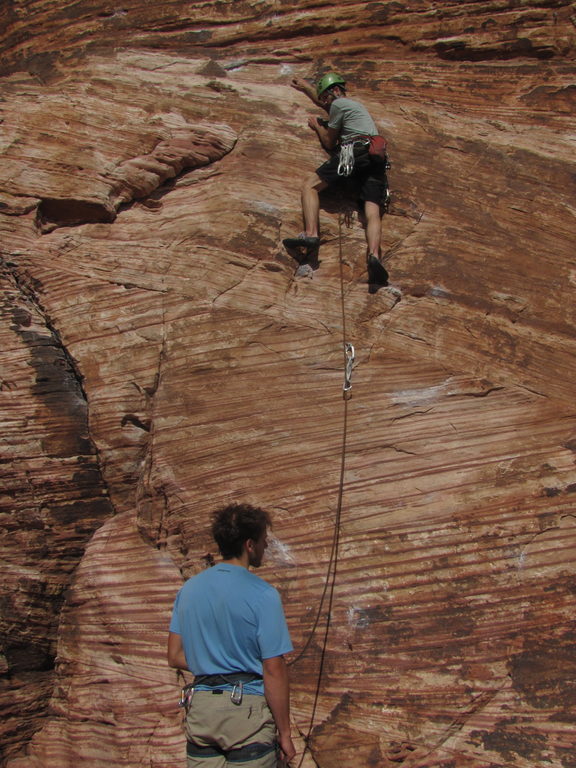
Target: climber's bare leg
311 203
373 216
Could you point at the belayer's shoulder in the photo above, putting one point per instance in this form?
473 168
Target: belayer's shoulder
261 585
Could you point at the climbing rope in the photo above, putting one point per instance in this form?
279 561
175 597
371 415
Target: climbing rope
330 582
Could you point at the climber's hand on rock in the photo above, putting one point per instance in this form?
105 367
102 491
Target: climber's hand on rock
300 84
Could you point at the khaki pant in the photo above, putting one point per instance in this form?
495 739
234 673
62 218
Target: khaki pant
214 724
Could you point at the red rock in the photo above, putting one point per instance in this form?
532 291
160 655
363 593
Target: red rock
161 358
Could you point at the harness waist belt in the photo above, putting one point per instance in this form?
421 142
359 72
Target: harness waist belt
239 755
230 678
356 139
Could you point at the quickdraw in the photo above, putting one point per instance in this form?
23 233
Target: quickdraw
346 163
186 696
349 356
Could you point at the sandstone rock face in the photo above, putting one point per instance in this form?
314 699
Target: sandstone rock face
160 358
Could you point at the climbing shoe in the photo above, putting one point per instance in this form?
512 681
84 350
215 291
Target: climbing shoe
377 274
303 246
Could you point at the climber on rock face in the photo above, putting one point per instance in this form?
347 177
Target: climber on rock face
349 135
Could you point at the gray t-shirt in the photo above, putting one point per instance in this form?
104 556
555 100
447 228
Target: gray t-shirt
351 119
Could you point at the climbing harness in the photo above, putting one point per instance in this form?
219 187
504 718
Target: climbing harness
227 678
243 754
346 158
216 681
376 148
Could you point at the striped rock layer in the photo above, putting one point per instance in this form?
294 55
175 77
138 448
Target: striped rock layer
160 357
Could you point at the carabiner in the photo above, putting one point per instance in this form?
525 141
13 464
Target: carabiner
349 354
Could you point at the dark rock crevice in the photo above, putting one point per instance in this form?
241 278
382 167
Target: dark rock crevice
53 503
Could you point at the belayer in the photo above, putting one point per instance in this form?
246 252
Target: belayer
357 152
228 628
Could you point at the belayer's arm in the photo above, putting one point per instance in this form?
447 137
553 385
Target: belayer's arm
277 693
176 657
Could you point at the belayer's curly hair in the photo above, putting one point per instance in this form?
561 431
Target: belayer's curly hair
235 524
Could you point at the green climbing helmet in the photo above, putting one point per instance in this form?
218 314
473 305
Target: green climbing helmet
327 81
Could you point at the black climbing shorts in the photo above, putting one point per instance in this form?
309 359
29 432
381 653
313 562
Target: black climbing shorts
368 178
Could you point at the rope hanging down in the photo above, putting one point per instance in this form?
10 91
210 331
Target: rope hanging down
330 582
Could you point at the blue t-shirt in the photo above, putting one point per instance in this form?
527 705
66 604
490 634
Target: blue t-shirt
229 620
